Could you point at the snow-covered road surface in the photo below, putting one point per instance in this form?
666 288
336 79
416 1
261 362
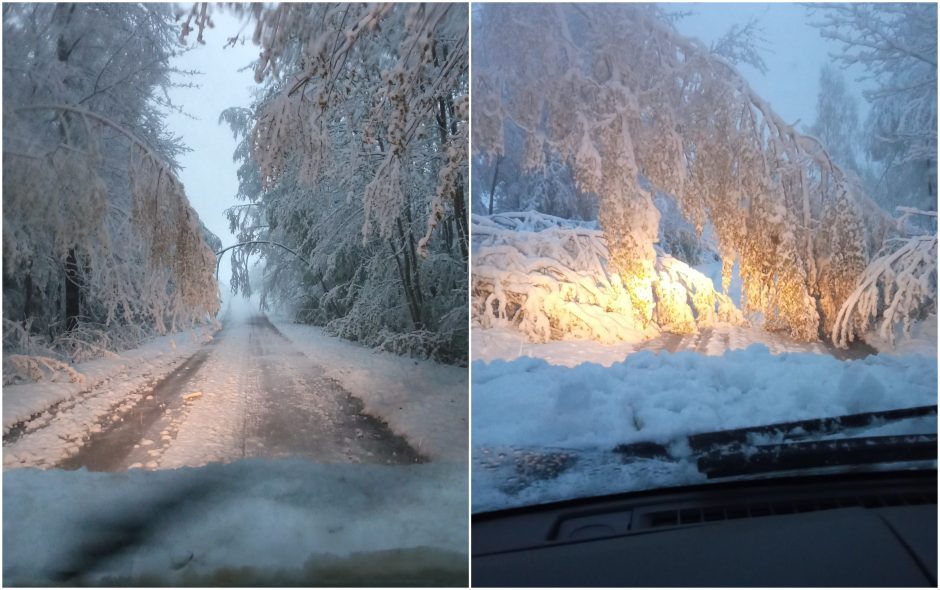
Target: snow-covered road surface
266 460
507 344
248 393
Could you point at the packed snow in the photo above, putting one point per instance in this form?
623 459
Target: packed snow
45 422
424 401
662 397
268 522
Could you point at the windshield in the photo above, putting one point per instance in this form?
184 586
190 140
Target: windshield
235 337
691 220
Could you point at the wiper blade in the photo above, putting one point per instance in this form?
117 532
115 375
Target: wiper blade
792 431
816 454
805 428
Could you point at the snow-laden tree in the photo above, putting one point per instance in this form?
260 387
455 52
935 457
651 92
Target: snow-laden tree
837 125
898 289
506 184
353 170
549 278
896 45
100 245
618 91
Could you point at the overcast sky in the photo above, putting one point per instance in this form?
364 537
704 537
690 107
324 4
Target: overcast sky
795 53
209 173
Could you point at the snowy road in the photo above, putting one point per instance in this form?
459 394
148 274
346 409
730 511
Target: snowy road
716 340
249 393
507 344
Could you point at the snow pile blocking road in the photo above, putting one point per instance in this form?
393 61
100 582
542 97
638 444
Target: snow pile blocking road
280 522
423 401
662 398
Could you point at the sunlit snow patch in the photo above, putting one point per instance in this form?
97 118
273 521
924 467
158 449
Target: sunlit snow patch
550 279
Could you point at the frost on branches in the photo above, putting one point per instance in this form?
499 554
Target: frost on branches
550 278
616 91
898 288
100 246
354 156
896 45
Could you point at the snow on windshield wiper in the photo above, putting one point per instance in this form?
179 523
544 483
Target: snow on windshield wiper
806 428
785 446
742 451
782 431
863 450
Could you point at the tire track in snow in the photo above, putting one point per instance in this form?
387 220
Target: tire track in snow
108 450
252 394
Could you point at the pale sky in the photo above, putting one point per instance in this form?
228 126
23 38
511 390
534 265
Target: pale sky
209 174
795 53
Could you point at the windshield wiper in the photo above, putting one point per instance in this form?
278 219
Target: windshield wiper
785 431
803 429
864 450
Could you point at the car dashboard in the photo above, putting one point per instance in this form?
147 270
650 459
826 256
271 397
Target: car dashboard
848 529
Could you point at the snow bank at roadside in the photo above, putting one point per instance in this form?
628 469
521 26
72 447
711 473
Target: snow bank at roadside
283 521
659 397
424 401
119 374
922 339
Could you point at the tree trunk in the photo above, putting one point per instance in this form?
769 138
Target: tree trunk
460 212
28 303
408 271
493 185
72 292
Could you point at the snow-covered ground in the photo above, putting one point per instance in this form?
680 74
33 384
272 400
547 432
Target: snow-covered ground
269 522
426 402
662 397
247 367
336 499
53 417
113 373
507 344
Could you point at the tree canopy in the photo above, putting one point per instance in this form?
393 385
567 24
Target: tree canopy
355 156
637 108
95 221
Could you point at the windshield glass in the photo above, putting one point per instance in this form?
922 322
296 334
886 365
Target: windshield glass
695 219
235 336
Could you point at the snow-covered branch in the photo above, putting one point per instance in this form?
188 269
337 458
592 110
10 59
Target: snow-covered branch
550 278
897 289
